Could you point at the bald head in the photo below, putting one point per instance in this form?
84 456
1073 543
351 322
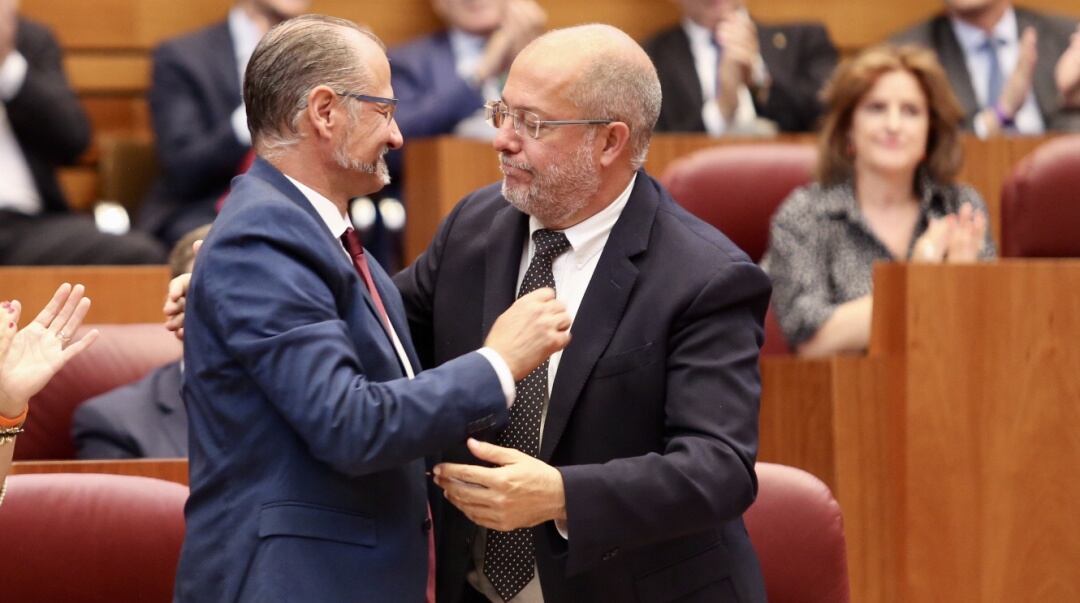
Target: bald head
605 75
295 57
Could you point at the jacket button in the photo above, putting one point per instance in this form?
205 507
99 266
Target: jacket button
608 556
426 525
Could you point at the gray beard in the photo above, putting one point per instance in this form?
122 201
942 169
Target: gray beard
554 196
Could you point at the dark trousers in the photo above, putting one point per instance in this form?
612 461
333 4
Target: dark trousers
65 239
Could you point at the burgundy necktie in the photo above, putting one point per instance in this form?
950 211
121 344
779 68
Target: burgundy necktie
351 240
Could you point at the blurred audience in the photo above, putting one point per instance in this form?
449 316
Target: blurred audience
43 126
722 73
147 418
442 80
1013 69
30 356
889 151
200 126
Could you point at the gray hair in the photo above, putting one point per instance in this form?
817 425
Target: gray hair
292 59
617 83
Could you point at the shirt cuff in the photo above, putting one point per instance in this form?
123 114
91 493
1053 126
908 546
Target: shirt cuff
502 370
563 528
240 125
12 75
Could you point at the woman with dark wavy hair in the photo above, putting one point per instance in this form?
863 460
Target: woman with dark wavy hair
889 153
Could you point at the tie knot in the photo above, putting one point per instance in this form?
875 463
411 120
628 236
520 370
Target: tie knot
550 243
352 243
992 43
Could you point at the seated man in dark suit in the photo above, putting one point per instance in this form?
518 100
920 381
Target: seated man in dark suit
1026 82
200 126
722 73
42 126
144 419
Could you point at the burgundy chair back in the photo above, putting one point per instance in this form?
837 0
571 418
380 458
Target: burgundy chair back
122 354
1040 202
798 532
90 537
737 188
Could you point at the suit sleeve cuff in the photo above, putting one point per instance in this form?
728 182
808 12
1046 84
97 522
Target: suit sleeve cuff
502 370
240 125
12 75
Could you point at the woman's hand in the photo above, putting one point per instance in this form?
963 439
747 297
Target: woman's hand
31 356
967 236
932 246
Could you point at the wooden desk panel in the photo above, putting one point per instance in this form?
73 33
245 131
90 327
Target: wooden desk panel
440 171
173 470
120 294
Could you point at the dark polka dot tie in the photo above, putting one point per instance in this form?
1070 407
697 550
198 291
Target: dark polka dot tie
509 557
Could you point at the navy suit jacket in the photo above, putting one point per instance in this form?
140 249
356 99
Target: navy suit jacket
306 440
144 419
652 418
194 90
48 121
1053 38
799 56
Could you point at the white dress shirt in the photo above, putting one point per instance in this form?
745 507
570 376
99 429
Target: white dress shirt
572 271
245 36
337 223
707 64
1027 120
18 191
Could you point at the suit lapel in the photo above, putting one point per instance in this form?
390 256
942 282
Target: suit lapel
167 399
689 86
952 59
1043 84
262 169
225 70
601 308
506 239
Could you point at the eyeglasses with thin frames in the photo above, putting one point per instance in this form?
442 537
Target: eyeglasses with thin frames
495 112
390 103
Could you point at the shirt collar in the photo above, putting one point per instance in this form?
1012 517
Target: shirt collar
245 37
330 214
698 34
587 238
839 199
972 38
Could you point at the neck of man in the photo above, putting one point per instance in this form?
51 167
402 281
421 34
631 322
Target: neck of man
879 189
986 17
322 175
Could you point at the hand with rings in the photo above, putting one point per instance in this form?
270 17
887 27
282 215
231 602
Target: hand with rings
30 356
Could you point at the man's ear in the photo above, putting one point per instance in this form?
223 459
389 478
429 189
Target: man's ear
320 111
615 137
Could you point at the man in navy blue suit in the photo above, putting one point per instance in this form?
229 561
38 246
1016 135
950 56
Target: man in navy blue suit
630 480
308 415
200 129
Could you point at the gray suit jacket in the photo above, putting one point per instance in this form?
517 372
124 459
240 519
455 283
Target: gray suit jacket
1053 32
145 419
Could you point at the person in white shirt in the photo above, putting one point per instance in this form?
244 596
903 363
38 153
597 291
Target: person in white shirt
198 117
723 73
43 126
1014 70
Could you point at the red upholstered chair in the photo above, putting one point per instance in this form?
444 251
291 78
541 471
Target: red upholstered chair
123 353
798 532
737 188
90 538
1040 202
